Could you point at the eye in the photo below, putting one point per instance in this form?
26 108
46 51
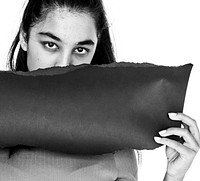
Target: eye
50 45
81 51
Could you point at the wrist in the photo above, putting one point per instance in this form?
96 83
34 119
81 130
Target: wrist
169 177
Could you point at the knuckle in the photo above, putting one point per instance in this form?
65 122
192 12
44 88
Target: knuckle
195 122
177 144
172 142
192 153
196 148
172 129
169 130
181 115
165 140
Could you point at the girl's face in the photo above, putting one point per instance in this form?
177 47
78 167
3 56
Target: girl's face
63 38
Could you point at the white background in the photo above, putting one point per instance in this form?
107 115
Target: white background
164 32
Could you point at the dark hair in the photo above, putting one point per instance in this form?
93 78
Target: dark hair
36 11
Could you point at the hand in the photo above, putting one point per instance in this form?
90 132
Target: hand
180 156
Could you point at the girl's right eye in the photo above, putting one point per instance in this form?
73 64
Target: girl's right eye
50 46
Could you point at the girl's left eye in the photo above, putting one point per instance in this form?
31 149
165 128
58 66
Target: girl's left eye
81 51
50 45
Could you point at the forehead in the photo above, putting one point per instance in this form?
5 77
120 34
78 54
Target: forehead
68 25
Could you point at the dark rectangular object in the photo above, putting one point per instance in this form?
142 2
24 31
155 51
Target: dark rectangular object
90 109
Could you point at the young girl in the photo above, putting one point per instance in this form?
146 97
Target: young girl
73 32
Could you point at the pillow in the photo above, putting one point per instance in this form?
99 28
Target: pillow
90 109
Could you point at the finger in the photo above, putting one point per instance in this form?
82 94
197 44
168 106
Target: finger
180 148
188 121
189 139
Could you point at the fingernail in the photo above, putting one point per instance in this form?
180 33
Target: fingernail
172 114
162 132
157 139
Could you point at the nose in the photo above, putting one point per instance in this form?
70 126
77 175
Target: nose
64 59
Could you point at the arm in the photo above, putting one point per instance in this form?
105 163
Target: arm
180 156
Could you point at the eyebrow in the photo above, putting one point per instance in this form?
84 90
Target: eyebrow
48 34
86 42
